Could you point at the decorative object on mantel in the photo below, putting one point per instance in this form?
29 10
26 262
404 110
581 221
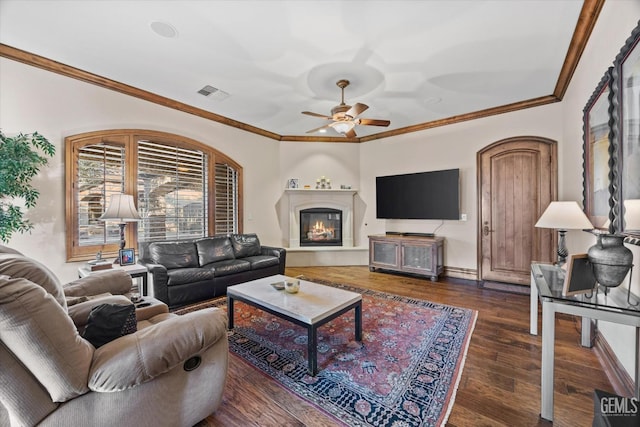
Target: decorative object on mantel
564 216
323 183
292 183
121 209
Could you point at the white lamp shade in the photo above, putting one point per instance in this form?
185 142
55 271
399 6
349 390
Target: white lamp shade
564 216
121 209
632 215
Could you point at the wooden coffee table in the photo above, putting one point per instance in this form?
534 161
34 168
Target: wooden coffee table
313 306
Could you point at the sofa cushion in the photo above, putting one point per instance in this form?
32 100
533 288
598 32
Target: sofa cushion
261 261
15 265
181 276
174 254
227 267
212 249
245 245
42 336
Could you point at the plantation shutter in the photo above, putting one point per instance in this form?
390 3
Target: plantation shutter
100 170
226 199
172 192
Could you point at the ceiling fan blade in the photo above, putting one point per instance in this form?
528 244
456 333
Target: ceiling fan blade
351 133
373 122
309 113
317 129
356 109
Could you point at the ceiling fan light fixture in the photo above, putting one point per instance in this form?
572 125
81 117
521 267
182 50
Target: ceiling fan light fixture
342 127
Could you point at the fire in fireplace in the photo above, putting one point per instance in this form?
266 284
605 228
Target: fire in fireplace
320 227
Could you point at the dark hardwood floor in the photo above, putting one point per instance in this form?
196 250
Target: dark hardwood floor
500 384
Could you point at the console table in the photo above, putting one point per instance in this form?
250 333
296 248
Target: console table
407 253
546 284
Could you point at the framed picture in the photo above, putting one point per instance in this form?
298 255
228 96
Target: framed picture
625 161
127 256
596 134
293 183
579 278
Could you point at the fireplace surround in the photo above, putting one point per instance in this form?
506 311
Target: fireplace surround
301 199
320 227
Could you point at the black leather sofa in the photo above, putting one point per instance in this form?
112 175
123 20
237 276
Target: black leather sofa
187 271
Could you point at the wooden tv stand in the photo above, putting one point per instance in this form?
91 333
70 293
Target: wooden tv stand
409 254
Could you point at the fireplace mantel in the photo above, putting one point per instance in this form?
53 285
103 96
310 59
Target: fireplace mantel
318 191
300 198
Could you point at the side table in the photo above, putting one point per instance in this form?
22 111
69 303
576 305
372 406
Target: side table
134 270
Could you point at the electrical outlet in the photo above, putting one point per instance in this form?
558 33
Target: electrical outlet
463 217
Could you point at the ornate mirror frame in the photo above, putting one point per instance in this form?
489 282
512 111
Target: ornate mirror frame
596 126
625 136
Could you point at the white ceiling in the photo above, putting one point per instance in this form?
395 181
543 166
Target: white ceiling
411 62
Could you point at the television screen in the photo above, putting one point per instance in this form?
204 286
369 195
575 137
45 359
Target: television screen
423 195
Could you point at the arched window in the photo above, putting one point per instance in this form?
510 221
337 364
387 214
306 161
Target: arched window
183 189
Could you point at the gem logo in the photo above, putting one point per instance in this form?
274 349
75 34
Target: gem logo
619 406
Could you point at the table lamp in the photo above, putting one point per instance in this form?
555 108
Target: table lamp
121 210
564 216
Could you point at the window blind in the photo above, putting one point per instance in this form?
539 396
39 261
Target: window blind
172 192
100 171
226 199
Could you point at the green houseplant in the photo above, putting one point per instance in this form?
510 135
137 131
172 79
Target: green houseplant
21 158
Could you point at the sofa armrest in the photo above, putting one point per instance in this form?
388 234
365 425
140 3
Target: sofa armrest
160 280
281 253
142 356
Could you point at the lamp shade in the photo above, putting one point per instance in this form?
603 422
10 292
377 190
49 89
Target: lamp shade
632 215
121 209
564 216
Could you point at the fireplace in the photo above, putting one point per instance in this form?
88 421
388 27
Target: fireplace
320 227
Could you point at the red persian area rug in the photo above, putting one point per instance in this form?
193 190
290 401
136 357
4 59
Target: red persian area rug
405 372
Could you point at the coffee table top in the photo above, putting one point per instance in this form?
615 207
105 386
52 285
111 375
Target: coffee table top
311 304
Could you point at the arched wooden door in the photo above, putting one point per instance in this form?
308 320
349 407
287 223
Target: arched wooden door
517 179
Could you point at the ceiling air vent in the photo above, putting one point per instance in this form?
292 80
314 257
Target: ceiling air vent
213 93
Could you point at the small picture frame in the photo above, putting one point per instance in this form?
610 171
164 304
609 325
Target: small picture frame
127 256
292 183
579 278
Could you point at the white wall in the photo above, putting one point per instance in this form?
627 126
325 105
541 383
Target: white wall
453 146
56 106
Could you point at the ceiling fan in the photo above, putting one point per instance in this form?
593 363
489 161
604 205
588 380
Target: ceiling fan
345 116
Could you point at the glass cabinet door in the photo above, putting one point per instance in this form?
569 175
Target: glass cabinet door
417 257
385 253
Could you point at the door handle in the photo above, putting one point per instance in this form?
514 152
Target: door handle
485 229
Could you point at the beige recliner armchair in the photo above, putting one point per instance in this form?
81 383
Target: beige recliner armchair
171 372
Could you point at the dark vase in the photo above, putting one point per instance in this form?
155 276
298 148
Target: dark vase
610 259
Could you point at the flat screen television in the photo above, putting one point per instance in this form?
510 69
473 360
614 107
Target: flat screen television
422 195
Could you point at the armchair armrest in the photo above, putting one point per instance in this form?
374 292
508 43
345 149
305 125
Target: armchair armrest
116 282
79 313
139 357
160 280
